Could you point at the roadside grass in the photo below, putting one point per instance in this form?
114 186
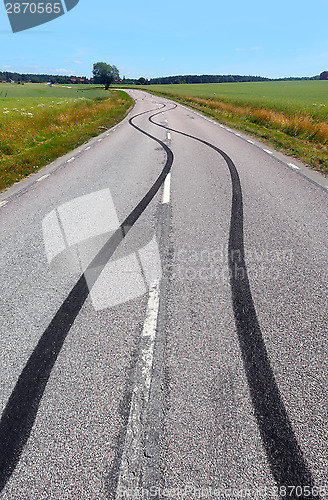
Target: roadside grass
290 116
41 90
36 130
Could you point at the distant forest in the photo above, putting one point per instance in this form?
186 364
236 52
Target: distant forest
7 76
212 79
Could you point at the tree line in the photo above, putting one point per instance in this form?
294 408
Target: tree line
106 74
7 76
187 79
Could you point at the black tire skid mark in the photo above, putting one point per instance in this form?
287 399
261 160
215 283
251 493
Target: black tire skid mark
284 455
19 415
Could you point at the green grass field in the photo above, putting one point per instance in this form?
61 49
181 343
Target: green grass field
291 116
39 123
306 97
40 90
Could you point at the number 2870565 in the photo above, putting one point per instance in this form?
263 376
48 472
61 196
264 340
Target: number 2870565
33 8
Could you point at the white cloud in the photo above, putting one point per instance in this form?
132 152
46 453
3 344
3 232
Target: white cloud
64 70
34 67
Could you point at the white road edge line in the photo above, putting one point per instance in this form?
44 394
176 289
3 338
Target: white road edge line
86 149
99 140
267 151
71 159
131 461
237 134
294 166
167 189
251 142
42 178
3 203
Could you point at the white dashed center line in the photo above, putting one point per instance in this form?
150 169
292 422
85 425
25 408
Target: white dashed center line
294 166
71 159
267 151
3 203
42 178
167 189
131 461
86 149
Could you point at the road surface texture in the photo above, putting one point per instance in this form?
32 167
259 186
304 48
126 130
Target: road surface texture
164 318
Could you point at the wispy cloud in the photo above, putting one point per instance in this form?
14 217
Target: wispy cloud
64 70
32 67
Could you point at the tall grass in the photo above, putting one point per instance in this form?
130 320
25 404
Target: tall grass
291 116
33 135
304 97
295 125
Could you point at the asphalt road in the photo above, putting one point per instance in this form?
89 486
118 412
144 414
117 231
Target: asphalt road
164 318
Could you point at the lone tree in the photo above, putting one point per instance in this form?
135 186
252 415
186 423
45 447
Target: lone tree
105 73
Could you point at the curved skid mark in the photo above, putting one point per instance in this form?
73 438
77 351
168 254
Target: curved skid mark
284 455
21 410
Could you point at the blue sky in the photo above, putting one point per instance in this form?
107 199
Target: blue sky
150 38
